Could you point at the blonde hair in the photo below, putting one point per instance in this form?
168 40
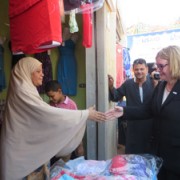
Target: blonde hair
172 55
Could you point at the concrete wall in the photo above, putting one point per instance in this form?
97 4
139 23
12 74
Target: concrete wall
101 61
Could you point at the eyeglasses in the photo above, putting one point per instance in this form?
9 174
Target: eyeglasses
161 66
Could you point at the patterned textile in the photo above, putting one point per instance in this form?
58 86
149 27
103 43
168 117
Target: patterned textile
72 22
120 167
127 63
42 173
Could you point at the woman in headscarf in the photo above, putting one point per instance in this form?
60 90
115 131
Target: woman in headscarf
32 131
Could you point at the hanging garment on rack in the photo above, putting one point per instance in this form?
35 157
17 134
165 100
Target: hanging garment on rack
75 4
44 58
127 63
73 27
15 57
67 68
87 24
71 4
35 25
2 73
119 66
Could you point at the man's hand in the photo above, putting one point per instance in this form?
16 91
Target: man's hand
110 82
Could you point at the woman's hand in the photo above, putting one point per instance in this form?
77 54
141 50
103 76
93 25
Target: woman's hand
96 115
114 113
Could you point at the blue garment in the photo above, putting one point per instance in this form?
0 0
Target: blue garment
127 62
67 68
2 74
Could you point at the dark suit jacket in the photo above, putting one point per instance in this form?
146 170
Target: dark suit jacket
167 126
138 131
166 118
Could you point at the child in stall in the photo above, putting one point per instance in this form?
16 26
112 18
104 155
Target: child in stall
59 100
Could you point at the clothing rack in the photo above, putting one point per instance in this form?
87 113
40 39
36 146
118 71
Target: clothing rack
97 4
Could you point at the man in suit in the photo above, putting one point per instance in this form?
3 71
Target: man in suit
138 92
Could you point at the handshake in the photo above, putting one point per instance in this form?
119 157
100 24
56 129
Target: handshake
114 113
109 115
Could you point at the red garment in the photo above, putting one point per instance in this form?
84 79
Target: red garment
34 23
87 12
118 163
17 7
119 66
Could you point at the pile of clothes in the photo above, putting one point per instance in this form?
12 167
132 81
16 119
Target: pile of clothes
120 167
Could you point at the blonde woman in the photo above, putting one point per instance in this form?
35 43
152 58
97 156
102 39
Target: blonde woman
165 110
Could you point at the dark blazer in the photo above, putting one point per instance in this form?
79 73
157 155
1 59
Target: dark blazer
166 127
138 131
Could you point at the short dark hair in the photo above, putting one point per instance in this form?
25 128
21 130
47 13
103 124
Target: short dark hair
52 85
139 61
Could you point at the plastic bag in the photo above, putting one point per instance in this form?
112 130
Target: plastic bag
120 167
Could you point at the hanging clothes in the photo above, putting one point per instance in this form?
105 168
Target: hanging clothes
87 12
44 58
73 27
35 25
75 4
2 73
15 57
67 68
119 66
127 63
71 4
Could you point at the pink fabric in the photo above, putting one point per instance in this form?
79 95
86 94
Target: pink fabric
118 163
67 104
38 25
119 66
